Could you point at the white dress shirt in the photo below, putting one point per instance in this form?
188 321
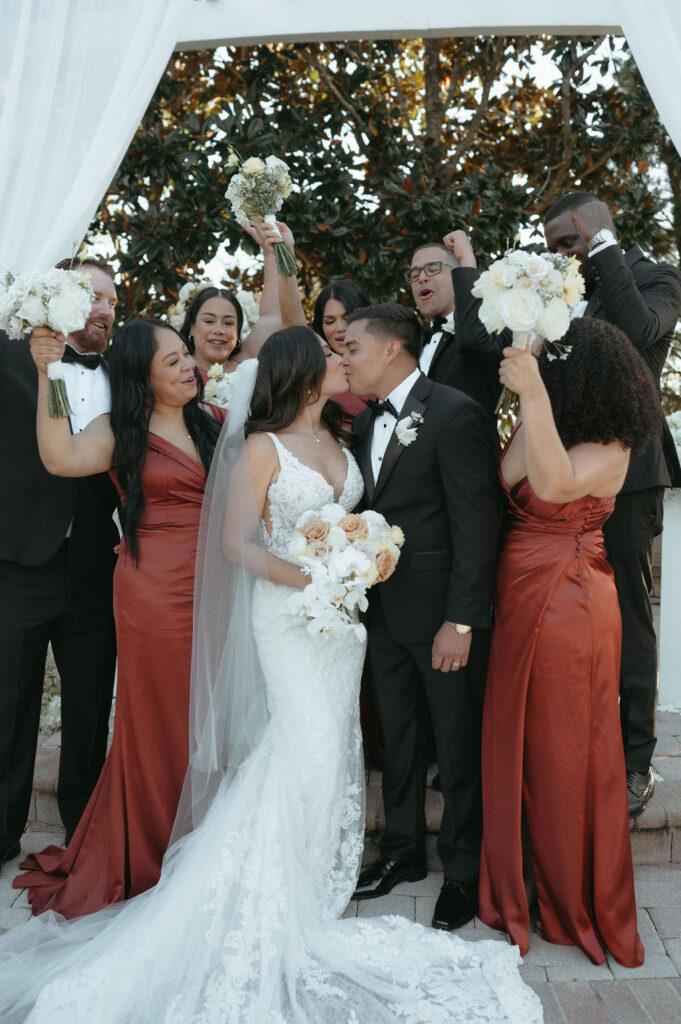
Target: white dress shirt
89 394
385 423
429 349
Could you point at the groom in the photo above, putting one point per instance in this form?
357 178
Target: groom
429 456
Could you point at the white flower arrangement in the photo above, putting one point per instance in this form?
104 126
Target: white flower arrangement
407 429
58 299
531 294
345 554
250 307
187 292
218 388
258 189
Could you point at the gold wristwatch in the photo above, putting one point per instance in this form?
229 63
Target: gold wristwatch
461 630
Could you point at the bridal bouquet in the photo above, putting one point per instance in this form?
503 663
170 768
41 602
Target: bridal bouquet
218 388
58 299
345 554
532 295
258 189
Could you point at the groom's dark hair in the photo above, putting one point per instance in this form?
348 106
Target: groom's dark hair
389 320
570 201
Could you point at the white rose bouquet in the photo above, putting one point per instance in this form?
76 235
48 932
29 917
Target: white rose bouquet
258 189
58 299
345 554
218 388
532 295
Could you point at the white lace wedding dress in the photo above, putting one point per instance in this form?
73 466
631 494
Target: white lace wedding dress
245 926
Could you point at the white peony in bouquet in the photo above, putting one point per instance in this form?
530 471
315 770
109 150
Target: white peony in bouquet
532 295
258 189
218 388
58 299
345 554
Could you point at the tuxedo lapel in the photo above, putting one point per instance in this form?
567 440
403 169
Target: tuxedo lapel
364 459
421 389
441 346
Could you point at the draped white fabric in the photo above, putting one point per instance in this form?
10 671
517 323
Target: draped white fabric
653 32
75 79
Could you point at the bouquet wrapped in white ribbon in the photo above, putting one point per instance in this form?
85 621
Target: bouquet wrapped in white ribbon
58 299
258 189
218 388
345 554
532 294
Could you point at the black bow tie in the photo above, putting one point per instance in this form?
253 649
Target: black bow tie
437 324
378 406
90 360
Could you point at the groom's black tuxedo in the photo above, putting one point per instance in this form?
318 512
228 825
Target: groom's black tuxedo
442 491
52 589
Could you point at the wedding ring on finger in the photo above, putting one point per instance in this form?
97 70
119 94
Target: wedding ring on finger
456 664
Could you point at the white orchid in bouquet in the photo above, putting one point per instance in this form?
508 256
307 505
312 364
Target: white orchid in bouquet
185 295
58 299
345 554
531 294
218 387
258 189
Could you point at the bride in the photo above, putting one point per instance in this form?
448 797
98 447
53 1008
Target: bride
245 924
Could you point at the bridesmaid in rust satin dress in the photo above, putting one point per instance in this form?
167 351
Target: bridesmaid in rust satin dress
117 848
554 779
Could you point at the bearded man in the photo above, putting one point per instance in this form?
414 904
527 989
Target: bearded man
56 568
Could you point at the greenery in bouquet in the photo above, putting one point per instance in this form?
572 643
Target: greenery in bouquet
258 189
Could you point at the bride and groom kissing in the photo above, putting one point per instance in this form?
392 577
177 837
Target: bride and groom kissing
428 456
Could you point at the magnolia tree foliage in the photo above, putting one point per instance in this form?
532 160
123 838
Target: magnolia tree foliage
391 143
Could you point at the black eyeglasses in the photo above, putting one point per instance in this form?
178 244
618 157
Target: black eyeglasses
433 268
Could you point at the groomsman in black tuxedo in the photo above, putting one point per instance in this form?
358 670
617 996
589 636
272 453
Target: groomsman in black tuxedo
429 458
56 566
643 299
454 352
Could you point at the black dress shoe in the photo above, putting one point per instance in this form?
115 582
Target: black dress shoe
455 905
9 853
640 786
384 875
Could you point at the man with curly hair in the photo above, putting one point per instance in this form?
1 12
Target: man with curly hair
643 299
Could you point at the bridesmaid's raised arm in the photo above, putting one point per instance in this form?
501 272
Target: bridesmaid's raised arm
557 474
62 453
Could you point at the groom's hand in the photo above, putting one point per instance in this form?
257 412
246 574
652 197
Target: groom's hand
450 649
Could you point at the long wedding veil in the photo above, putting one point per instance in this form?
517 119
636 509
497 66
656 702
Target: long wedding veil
228 710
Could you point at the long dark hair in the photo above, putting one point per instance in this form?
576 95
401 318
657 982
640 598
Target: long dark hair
291 368
194 308
132 402
603 391
342 289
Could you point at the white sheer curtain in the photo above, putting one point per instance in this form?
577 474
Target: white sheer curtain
653 31
75 79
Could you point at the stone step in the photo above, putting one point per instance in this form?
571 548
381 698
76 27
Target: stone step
655 834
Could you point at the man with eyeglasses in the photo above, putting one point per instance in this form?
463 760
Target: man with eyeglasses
453 353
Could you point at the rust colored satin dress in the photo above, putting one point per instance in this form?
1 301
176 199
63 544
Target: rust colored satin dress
552 755
117 849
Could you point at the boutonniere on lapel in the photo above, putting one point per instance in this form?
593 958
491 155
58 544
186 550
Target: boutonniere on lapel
407 429
448 327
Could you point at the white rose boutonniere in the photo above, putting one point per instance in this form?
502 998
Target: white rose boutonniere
407 429
448 327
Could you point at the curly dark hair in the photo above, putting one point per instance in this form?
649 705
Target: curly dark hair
132 402
291 367
602 391
210 292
